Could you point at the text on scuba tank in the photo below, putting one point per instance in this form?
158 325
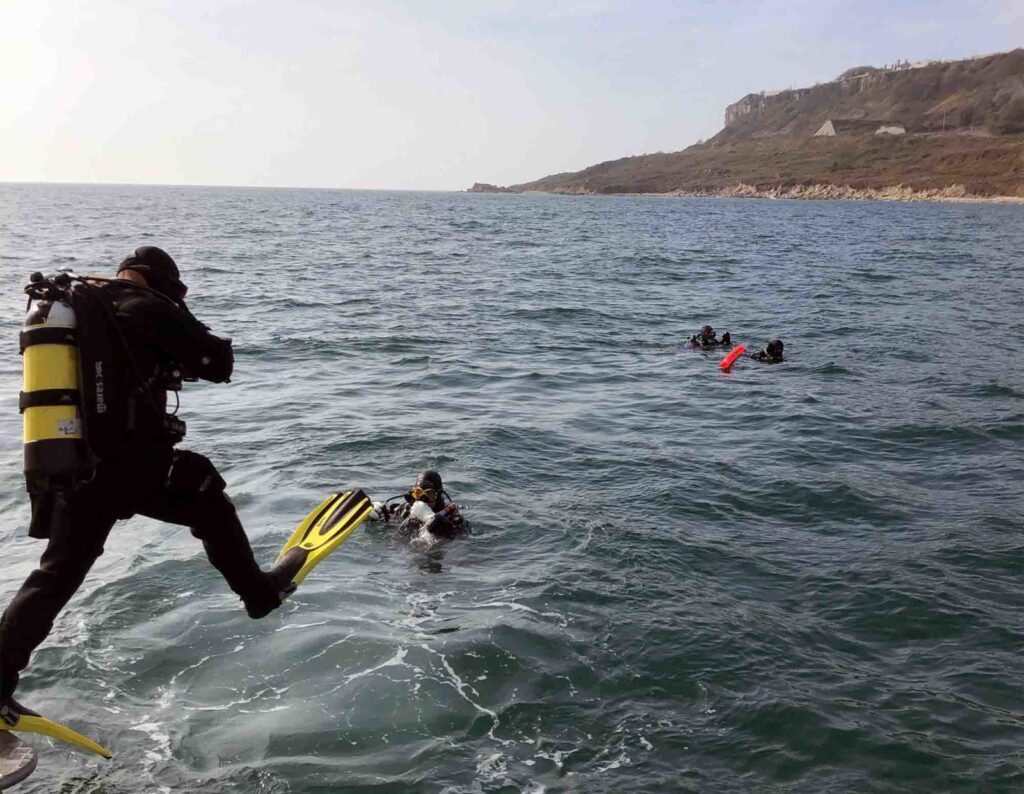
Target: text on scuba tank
101 404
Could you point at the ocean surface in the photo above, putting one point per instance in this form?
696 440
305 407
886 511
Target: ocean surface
797 578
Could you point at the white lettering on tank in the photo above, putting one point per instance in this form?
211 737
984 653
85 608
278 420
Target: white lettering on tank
101 403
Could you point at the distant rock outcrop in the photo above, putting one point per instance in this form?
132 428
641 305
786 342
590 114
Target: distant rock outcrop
483 187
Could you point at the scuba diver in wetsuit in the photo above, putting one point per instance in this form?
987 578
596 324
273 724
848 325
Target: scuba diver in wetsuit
427 505
706 338
142 341
771 354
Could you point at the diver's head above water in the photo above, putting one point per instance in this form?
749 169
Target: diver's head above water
706 338
154 268
771 353
429 488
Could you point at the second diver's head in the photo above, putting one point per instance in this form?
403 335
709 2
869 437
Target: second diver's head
429 489
158 270
774 349
707 332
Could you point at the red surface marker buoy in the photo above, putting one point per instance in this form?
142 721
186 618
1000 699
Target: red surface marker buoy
734 354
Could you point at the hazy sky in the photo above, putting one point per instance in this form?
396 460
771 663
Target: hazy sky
408 94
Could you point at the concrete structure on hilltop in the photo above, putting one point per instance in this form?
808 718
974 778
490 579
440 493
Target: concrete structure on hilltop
841 127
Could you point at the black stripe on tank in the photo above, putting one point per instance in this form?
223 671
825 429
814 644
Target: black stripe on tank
54 456
47 335
44 397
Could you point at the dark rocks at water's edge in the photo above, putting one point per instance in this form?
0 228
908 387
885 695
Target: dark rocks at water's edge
923 131
483 187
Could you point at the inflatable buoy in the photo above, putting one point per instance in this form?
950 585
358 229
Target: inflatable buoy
734 354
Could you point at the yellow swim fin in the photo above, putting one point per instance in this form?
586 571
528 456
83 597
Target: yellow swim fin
31 724
321 532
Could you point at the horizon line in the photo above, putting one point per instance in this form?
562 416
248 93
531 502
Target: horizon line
238 187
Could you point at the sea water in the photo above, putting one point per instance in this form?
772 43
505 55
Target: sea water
804 577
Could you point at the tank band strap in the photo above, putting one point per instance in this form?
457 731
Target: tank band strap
47 335
45 397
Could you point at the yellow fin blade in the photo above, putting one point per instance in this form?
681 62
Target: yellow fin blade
41 725
318 512
324 529
335 533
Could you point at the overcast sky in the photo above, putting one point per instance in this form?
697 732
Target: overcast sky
419 94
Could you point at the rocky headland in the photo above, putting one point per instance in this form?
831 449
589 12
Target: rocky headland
942 131
483 187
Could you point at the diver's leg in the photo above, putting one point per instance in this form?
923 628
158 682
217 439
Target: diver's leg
194 497
73 547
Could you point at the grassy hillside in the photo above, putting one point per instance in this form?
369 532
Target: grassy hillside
985 166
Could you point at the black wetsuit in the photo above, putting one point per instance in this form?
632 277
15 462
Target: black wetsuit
700 341
145 475
766 357
449 524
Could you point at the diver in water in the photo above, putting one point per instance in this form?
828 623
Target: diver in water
706 338
136 333
425 506
771 354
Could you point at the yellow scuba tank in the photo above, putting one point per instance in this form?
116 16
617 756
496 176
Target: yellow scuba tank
55 455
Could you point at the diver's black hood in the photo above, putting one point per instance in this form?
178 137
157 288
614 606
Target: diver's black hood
430 479
160 270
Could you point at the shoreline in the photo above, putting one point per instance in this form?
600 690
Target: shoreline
955 194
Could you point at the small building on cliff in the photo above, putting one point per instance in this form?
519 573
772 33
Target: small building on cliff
843 127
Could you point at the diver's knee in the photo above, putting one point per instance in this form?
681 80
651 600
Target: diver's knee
193 476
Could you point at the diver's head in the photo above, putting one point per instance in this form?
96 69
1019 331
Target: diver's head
774 348
158 269
428 488
707 332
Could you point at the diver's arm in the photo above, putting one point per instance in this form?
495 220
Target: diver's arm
448 522
181 338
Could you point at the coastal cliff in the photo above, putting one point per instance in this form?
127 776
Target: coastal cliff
945 130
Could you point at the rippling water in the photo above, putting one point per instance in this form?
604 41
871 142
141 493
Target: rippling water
805 577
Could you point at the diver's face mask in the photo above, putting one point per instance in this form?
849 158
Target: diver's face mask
426 494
